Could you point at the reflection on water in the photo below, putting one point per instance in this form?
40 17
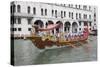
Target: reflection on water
26 53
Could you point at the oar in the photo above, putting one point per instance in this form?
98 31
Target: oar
79 42
72 45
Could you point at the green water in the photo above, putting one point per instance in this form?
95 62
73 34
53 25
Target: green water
25 53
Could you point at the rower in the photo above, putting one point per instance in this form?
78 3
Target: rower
73 36
66 37
69 37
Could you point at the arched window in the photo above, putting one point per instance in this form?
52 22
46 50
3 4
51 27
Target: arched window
56 13
28 9
29 21
85 16
59 29
34 10
64 13
90 24
80 15
72 15
89 16
76 15
79 6
89 7
74 27
61 14
67 26
14 8
69 14
42 11
45 11
76 6
80 23
69 5
84 7
39 23
18 8
52 12
11 9
19 20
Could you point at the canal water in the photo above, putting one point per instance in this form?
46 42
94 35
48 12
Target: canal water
25 53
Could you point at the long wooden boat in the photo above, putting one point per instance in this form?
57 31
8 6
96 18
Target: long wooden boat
42 43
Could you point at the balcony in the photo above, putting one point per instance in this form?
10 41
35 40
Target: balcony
85 20
24 15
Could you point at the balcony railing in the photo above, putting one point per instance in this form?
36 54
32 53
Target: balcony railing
85 20
25 15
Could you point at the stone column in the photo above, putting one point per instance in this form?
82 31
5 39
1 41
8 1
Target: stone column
82 26
54 31
63 27
78 27
70 28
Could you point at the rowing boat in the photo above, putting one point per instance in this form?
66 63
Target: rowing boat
41 43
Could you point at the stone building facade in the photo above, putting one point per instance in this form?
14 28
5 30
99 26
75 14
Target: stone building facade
73 17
